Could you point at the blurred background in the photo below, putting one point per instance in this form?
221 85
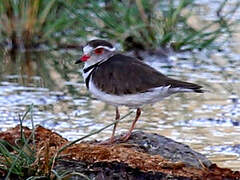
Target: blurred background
193 40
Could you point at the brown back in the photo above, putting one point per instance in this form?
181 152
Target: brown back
126 75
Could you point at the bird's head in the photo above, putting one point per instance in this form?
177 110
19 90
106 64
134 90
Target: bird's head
95 51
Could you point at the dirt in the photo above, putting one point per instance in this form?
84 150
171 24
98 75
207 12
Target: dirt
143 156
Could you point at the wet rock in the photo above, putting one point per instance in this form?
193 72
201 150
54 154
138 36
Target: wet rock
174 151
143 156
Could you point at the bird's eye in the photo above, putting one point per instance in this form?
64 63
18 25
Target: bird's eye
99 51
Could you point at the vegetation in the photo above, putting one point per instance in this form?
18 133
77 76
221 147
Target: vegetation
148 24
157 23
28 23
24 161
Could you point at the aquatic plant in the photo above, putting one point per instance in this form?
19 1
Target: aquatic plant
145 24
149 24
29 23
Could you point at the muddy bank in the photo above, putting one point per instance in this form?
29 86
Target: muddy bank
144 156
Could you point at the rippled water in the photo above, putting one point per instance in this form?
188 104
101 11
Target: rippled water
209 122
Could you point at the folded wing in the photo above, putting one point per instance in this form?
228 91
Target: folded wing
126 75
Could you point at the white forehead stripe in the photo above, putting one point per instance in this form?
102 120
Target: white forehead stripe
107 48
87 49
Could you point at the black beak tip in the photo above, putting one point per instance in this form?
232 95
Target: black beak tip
78 61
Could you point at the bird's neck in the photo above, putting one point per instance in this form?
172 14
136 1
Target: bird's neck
89 65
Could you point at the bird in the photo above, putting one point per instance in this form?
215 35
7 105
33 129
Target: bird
122 80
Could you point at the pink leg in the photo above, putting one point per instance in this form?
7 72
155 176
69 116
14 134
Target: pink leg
115 125
126 137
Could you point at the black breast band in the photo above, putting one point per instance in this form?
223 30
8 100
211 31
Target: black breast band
94 66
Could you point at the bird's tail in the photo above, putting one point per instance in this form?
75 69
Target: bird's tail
186 86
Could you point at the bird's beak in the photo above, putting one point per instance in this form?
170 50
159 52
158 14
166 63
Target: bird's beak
83 59
78 61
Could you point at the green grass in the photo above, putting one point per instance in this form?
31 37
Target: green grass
157 23
22 160
151 23
17 163
29 23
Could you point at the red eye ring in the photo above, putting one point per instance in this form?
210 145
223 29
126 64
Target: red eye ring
98 51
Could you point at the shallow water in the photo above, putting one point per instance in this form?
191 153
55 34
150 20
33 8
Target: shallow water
209 122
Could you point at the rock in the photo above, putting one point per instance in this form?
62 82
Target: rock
174 151
143 156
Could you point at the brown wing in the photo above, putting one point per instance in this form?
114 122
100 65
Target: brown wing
126 75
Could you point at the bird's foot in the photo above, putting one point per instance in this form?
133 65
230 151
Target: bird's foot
113 139
108 141
125 137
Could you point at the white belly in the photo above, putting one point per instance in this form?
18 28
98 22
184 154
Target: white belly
132 100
